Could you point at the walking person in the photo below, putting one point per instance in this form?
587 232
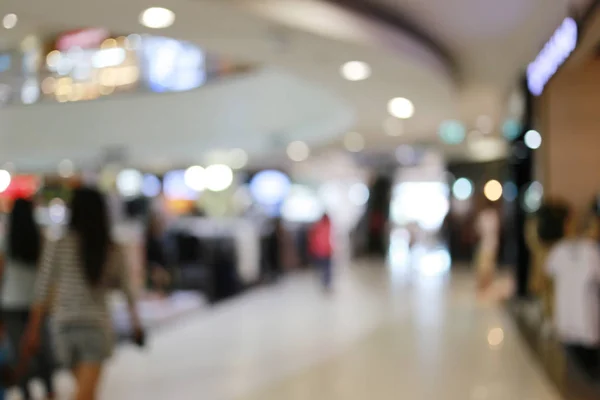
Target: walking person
77 270
20 256
487 226
321 250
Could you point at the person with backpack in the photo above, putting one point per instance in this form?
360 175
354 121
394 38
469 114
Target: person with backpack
20 256
77 272
321 249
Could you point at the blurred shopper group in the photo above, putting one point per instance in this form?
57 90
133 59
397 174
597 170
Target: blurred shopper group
54 296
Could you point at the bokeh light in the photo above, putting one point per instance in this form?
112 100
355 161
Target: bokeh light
462 189
400 107
10 21
354 142
270 187
510 191
358 194
5 179
452 132
66 168
533 197
298 151
219 177
533 139
495 337
355 70
238 158
195 178
492 190
302 205
157 18
151 186
130 182
511 129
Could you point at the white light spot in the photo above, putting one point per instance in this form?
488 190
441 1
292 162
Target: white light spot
157 18
462 189
400 107
130 182
195 178
219 177
10 21
533 139
358 194
4 180
298 151
356 71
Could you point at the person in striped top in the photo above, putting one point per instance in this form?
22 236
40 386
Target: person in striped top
75 276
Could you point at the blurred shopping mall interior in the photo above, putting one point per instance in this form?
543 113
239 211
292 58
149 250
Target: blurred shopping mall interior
439 137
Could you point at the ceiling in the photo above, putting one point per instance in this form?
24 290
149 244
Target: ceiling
488 42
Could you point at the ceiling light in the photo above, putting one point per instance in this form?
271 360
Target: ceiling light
533 139
157 18
401 108
354 142
298 151
356 71
195 178
219 177
10 21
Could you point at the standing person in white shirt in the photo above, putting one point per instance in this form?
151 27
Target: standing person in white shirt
574 264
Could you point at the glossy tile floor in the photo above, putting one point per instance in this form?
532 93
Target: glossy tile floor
382 334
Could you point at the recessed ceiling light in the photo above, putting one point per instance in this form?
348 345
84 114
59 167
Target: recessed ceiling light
157 18
400 107
356 70
10 21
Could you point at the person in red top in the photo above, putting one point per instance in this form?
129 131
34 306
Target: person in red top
321 249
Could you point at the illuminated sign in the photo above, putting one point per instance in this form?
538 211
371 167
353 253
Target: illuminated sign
553 55
83 38
172 65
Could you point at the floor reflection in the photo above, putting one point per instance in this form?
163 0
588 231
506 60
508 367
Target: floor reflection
429 258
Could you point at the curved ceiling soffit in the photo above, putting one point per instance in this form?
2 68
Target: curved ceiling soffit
397 21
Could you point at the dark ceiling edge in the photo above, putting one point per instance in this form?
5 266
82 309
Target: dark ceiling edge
400 22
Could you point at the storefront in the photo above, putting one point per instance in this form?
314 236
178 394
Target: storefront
564 85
